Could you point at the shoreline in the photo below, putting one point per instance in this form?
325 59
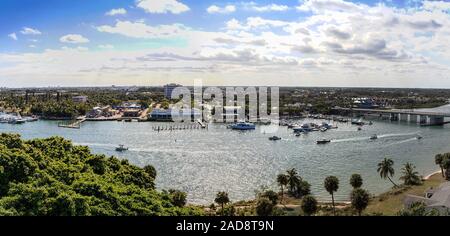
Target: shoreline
431 175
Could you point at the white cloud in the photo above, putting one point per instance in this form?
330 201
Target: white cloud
142 30
30 31
252 6
436 5
162 6
328 5
221 10
106 46
73 38
118 11
13 36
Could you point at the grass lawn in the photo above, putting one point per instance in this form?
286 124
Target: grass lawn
391 202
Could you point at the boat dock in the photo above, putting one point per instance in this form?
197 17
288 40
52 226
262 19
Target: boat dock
72 124
175 127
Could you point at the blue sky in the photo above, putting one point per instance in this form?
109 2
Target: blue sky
288 42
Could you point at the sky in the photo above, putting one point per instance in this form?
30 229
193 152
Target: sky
333 43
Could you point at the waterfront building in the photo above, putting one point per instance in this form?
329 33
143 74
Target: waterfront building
168 89
365 103
80 99
132 113
166 114
105 111
128 106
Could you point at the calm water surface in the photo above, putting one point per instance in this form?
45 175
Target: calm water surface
203 162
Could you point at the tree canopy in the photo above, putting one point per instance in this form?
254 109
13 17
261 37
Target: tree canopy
54 177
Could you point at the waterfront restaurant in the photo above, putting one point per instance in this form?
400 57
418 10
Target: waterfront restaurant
166 114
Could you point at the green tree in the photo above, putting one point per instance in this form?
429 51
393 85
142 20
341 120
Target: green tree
386 169
296 185
264 207
178 198
409 175
417 209
438 160
150 171
446 165
356 181
282 180
222 199
271 195
331 184
53 177
360 199
309 205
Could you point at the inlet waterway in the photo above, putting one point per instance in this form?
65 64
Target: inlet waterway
203 162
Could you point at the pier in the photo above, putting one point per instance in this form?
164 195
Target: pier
424 118
72 124
175 127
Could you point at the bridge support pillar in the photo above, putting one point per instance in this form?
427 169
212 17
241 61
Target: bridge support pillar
436 120
403 117
394 117
413 118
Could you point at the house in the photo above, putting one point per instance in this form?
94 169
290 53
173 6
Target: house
166 115
132 113
434 199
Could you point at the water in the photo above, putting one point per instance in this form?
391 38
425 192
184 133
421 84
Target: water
203 162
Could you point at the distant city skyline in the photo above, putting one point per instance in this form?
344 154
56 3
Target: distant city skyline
310 43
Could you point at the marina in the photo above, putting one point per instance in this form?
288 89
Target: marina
240 161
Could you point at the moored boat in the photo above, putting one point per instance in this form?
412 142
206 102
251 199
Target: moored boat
243 126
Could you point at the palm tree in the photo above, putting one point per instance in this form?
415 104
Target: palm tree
294 179
446 165
439 159
360 199
410 176
331 184
222 199
282 181
386 170
356 181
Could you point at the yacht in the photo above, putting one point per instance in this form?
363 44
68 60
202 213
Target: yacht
373 137
324 141
243 126
303 128
357 122
121 148
274 138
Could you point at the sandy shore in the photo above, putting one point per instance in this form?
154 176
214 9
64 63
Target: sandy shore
434 173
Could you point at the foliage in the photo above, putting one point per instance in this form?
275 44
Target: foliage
271 195
386 169
410 175
283 181
296 185
309 205
178 198
53 177
222 199
360 199
417 209
264 207
331 184
356 181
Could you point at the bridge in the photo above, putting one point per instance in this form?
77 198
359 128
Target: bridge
424 118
